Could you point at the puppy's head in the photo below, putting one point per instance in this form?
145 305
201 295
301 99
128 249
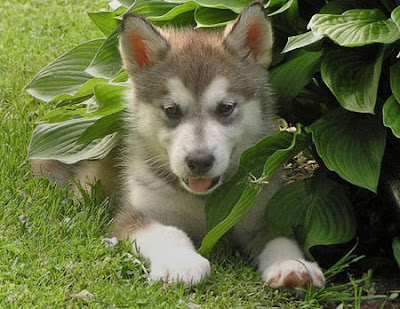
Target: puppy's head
200 98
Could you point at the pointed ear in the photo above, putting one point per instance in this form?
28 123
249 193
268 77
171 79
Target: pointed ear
250 36
141 44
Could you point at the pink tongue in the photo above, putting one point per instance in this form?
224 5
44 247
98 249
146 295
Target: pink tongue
200 184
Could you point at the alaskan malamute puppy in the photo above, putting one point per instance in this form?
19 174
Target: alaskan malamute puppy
199 99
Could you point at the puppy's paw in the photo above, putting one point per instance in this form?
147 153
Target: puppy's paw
185 266
293 273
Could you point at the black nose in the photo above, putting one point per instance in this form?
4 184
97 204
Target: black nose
200 162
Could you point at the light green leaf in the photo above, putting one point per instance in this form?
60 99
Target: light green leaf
301 40
353 77
107 63
115 4
110 99
396 249
395 80
58 141
396 16
152 8
209 17
227 205
391 115
105 21
317 211
102 127
84 92
174 12
291 77
355 27
67 112
352 145
66 74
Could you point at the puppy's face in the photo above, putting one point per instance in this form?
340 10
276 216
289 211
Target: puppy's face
200 99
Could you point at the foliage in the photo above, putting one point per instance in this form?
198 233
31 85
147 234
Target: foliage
335 70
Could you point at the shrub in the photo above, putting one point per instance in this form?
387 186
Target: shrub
336 75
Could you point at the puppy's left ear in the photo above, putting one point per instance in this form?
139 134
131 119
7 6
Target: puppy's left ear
250 36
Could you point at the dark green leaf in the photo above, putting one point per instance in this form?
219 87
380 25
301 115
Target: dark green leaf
395 80
66 74
355 27
174 12
152 8
317 211
209 17
391 115
235 5
227 205
338 6
352 145
353 77
290 78
396 249
284 7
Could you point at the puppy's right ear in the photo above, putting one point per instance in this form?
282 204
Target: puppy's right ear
141 45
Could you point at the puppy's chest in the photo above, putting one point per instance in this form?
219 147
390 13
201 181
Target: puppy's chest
170 207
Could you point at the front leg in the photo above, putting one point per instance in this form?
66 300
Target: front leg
282 264
171 253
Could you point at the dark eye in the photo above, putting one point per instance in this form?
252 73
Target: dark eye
172 111
225 109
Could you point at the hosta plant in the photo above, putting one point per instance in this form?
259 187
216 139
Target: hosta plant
336 76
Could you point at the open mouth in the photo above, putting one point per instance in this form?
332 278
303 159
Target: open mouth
201 185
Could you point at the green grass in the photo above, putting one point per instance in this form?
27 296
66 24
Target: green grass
50 244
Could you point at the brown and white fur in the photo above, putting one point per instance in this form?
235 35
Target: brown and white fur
198 100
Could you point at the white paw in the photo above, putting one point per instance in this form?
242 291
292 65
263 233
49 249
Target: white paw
185 266
293 273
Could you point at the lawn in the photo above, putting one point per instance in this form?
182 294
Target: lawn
51 245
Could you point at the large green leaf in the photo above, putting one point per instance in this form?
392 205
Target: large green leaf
102 127
352 145
110 99
300 41
353 77
107 63
152 8
391 115
175 11
58 141
396 16
70 111
396 249
355 27
395 80
235 5
85 91
286 6
317 211
228 204
66 74
290 78
105 21
209 17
